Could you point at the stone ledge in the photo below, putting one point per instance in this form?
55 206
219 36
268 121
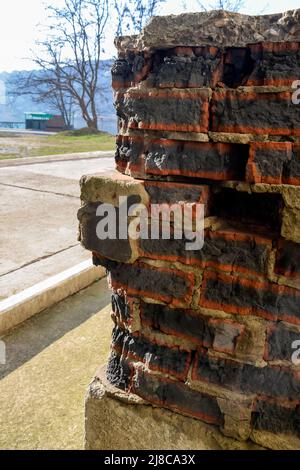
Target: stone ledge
214 28
115 420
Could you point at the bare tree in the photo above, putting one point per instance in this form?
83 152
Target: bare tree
132 15
41 86
69 58
228 5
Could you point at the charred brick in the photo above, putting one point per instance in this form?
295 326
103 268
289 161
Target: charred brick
216 161
221 335
276 64
260 113
280 341
177 397
234 294
230 251
274 162
246 378
117 249
118 372
275 418
288 259
165 110
174 361
164 284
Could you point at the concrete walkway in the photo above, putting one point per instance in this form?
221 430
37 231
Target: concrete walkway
51 358
39 203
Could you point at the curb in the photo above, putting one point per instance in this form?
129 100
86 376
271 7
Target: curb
56 158
18 308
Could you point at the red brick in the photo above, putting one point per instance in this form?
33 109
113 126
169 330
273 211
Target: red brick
274 163
164 284
157 157
288 260
180 110
258 113
177 397
236 295
275 63
221 335
227 250
135 347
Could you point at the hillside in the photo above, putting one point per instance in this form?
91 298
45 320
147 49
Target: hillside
13 109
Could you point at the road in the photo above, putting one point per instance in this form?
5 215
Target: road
38 230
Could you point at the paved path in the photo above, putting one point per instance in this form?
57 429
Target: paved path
51 359
38 229
25 131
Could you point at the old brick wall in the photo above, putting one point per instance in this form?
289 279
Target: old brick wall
209 333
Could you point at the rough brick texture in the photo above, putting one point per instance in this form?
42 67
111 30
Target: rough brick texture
216 161
207 114
272 381
216 333
177 397
164 284
288 260
186 110
237 295
136 347
227 250
274 163
282 342
266 112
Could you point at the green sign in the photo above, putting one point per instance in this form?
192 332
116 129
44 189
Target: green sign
38 116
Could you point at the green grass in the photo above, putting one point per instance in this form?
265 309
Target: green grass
62 143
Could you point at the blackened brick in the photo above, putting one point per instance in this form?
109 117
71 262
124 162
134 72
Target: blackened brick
174 193
186 68
120 307
177 397
169 285
181 110
118 372
206 160
236 295
218 334
259 113
280 339
275 63
170 360
288 259
276 418
270 381
228 250
112 248
128 70
274 163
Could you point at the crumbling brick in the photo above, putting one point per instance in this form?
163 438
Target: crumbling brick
247 111
237 295
177 397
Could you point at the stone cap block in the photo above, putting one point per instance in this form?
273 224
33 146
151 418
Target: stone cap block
214 28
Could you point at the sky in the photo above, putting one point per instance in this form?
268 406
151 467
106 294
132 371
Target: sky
19 20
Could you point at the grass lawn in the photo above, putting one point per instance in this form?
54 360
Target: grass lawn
14 145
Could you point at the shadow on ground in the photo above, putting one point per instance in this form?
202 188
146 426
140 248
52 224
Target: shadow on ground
37 333
51 359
